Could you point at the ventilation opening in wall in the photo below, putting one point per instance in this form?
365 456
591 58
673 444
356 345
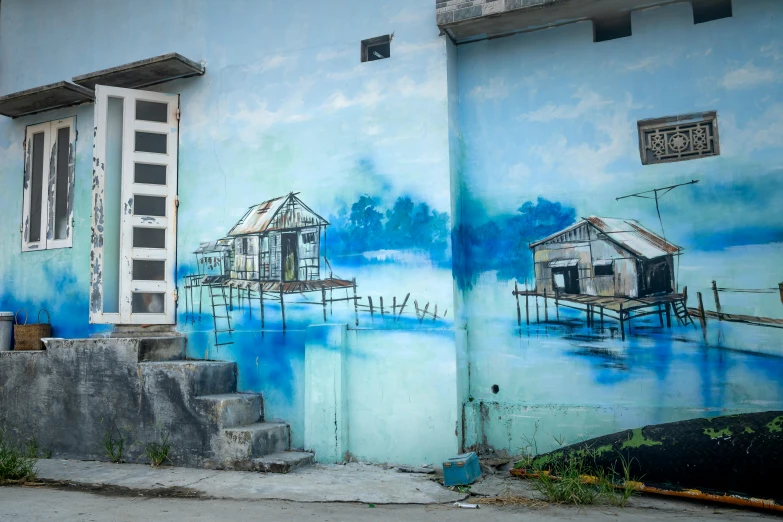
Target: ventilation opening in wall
378 48
709 10
612 28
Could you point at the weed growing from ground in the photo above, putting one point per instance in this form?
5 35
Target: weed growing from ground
16 464
113 447
158 451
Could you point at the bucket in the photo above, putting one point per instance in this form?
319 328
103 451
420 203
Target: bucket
6 327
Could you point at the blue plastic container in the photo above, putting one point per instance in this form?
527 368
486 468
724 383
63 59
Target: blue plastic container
461 470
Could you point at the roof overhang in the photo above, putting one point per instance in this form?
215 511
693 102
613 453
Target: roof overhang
143 73
465 22
563 263
44 98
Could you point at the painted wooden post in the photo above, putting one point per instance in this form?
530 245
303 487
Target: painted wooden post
546 311
282 305
527 308
702 316
369 299
780 287
660 313
717 299
519 312
381 298
394 307
261 302
685 296
230 298
538 320
323 298
601 310
557 308
622 325
587 314
355 302
435 313
668 315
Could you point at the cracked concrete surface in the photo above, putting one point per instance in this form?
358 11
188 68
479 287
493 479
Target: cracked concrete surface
335 483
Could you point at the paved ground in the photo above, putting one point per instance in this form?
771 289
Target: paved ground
45 504
84 491
349 483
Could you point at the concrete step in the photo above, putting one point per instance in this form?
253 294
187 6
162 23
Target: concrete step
241 444
189 379
165 348
282 462
230 410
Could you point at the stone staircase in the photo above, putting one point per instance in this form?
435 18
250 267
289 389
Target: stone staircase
223 427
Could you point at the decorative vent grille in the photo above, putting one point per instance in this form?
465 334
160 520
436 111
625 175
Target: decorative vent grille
679 138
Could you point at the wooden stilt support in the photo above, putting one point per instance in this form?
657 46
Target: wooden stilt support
519 311
717 299
394 307
261 302
601 309
323 298
622 324
527 308
282 306
372 315
355 302
230 298
435 313
557 308
702 316
381 298
668 315
660 313
537 318
546 312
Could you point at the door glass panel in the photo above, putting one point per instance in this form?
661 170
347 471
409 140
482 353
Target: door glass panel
144 270
148 303
112 206
151 142
152 111
149 206
61 190
150 174
36 184
149 237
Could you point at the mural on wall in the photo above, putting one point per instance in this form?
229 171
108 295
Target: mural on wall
608 283
277 251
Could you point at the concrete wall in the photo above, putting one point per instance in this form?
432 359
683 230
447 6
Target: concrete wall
285 106
71 396
551 137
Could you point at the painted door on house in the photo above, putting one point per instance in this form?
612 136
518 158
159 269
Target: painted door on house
290 262
133 247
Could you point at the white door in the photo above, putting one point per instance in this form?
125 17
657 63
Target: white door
134 222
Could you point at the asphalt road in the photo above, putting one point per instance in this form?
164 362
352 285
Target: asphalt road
46 503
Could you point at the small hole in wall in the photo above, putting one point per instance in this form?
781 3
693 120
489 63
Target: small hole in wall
495 388
709 10
378 48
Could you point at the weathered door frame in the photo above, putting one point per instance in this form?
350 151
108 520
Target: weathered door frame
129 190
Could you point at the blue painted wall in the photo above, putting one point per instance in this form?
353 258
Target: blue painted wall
285 106
436 169
549 135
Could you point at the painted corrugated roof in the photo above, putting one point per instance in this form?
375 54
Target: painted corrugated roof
628 233
259 218
633 236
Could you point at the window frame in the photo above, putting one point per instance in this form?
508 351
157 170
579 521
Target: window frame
49 182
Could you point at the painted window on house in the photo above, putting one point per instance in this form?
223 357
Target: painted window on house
604 268
678 138
49 151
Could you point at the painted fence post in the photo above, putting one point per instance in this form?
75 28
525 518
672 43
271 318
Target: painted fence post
519 311
717 299
702 316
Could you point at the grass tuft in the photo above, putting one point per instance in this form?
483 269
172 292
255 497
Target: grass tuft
113 447
16 463
158 451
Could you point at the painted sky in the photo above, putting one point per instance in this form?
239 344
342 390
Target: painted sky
553 114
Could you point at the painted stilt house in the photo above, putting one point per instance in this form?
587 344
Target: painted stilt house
605 257
278 240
